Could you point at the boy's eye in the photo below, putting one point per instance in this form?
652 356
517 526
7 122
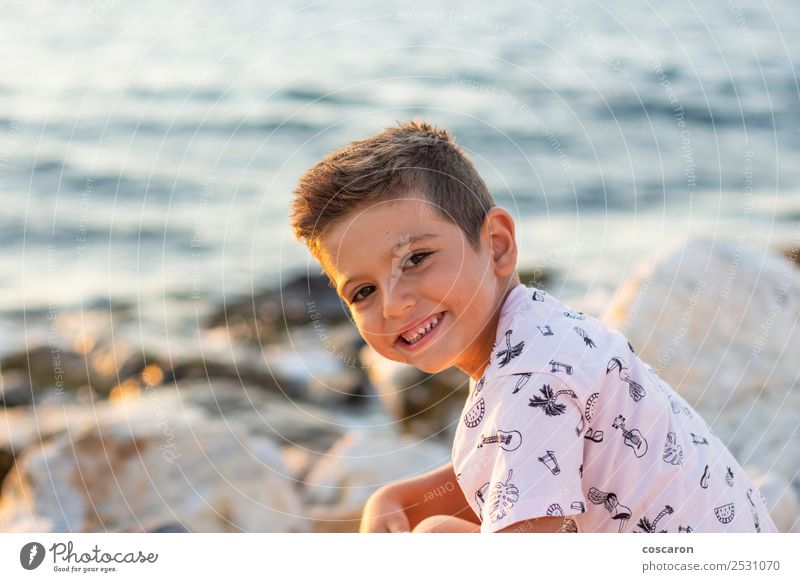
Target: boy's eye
422 255
357 297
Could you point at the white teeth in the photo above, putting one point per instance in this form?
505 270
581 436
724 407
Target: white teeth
422 330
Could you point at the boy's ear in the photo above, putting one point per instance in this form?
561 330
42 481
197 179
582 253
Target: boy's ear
498 234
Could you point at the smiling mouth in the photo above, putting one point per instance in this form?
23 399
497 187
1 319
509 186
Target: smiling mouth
412 338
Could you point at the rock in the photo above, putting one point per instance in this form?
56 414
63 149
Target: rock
423 404
276 417
792 253
112 359
299 461
718 322
781 499
338 486
264 316
48 368
253 371
6 462
540 275
12 334
170 528
22 427
15 389
64 347
324 363
151 367
147 464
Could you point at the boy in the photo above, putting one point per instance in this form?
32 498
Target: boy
564 429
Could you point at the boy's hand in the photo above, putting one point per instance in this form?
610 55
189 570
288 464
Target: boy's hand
402 505
384 512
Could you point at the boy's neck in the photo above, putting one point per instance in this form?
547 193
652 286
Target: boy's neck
490 329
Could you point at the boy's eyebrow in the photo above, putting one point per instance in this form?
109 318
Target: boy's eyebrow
404 241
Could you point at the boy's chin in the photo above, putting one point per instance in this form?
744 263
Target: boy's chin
431 369
419 363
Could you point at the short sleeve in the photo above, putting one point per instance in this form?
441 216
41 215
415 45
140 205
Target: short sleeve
535 435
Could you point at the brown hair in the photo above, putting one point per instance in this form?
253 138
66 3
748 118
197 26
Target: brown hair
387 166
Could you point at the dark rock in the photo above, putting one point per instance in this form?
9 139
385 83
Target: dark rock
266 315
278 417
792 253
423 404
113 360
15 389
170 528
254 373
6 462
539 277
46 366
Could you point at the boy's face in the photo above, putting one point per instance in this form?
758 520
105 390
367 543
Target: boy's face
397 265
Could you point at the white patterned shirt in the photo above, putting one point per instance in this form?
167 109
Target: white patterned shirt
567 420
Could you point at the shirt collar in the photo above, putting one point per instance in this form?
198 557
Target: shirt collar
517 300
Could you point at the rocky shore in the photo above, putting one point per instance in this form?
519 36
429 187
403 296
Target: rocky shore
269 413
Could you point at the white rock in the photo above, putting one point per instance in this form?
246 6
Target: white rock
721 323
357 465
781 500
146 464
390 379
422 403
319 360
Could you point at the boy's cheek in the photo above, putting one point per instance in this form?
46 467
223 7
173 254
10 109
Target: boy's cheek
372 341
382 349
369 339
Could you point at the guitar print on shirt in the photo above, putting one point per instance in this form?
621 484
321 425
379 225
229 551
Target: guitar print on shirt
633 438
508 440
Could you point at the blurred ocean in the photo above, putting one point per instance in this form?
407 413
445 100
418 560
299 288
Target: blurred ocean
149 150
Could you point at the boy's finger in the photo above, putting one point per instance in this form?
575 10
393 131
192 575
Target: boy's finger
398 523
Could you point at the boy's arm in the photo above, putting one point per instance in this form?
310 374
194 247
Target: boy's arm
539 525
434 493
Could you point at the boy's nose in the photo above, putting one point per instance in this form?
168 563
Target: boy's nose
397 298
